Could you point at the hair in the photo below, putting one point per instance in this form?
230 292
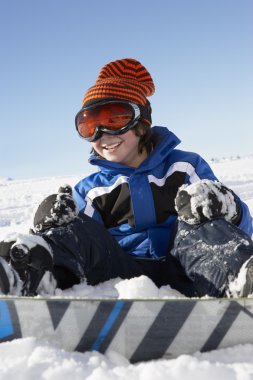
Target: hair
143 130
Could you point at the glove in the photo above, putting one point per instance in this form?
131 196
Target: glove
206 200
55 210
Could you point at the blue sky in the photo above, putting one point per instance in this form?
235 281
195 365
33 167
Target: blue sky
199 53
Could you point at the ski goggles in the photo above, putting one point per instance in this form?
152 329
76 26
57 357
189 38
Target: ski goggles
112 117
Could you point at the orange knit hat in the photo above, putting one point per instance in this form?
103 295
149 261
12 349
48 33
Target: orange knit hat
125 79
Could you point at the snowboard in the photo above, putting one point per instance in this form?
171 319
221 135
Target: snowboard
140 330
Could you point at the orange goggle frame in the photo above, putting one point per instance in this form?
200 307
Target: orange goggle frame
112 117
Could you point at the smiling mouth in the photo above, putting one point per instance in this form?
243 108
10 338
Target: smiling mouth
111 146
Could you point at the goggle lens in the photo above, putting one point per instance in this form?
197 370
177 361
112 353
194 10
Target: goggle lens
111 116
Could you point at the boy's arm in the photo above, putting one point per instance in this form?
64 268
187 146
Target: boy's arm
85 206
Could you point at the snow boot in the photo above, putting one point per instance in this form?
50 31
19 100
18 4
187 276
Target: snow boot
248 285
242 286
24 262
10 282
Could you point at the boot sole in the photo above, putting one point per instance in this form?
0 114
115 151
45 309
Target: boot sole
248 287
4 279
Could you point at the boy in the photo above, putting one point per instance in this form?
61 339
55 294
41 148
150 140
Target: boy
151 209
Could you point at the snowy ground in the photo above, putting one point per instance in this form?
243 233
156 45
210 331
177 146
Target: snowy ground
30 359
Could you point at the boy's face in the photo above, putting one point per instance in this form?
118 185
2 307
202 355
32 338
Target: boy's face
120 148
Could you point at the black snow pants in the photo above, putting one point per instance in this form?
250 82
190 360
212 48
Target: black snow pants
202 260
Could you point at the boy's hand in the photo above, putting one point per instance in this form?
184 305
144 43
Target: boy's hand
205 200
56 210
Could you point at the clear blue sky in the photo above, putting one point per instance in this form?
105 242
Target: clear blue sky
199 52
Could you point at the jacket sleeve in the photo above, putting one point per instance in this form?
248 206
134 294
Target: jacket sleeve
85 205
246 220
199 169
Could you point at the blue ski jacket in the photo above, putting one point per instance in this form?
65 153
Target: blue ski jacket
136 205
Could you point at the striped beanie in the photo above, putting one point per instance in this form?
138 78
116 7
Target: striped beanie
125 79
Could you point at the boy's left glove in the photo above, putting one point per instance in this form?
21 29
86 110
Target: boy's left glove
55 210
205 200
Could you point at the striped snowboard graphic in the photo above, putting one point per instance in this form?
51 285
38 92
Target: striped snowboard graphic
140 330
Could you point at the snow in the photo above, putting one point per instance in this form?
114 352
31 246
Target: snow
29 358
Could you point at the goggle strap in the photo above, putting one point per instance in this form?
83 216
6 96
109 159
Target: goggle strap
145 112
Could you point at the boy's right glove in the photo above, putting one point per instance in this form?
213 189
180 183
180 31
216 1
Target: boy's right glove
55 210
204 200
